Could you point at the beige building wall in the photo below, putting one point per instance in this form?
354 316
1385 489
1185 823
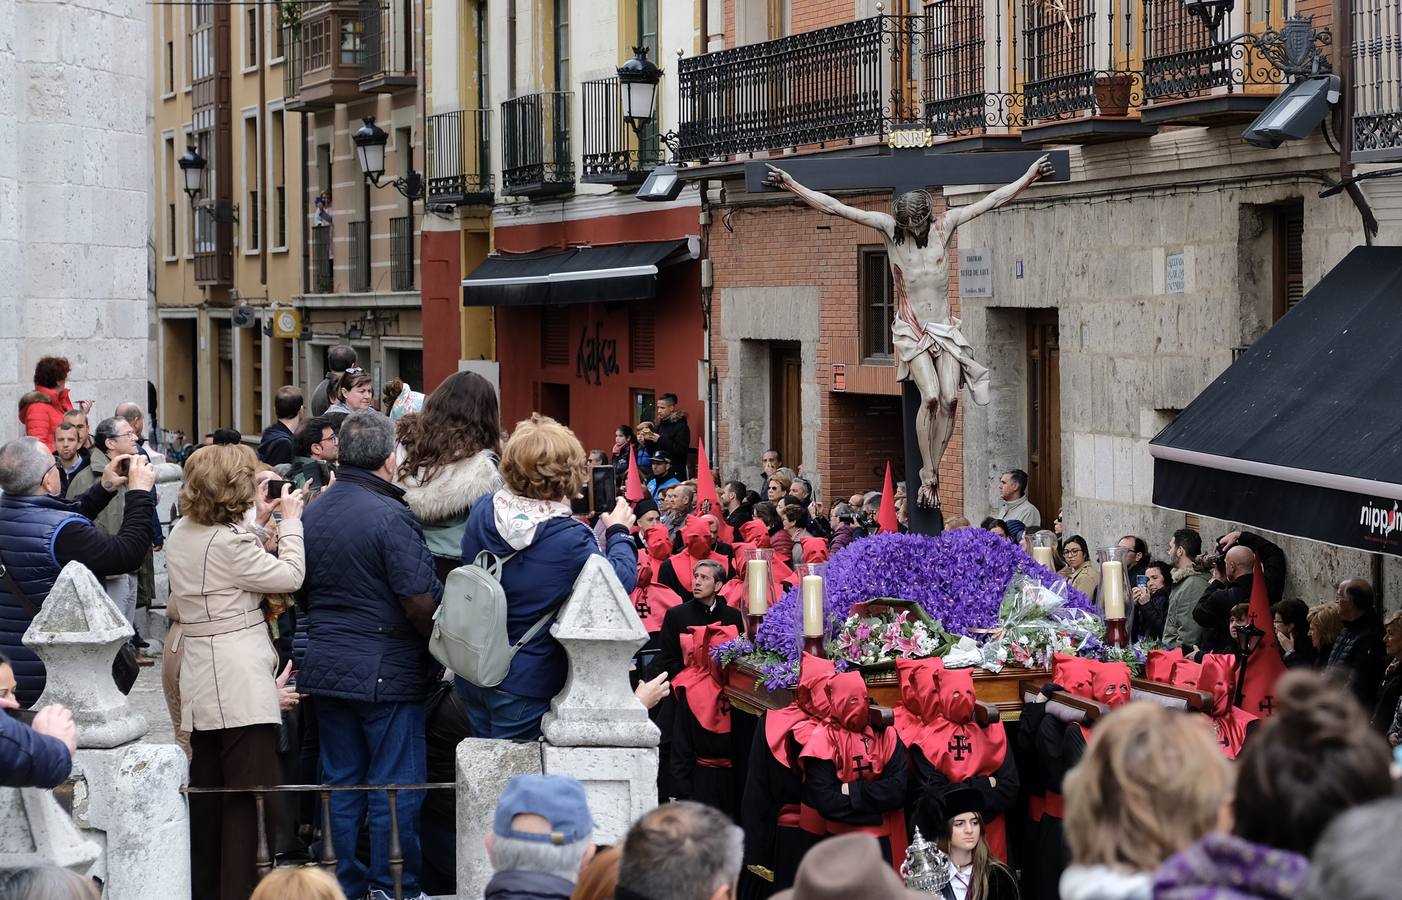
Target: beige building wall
211 372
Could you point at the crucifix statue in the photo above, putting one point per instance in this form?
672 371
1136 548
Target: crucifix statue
930 350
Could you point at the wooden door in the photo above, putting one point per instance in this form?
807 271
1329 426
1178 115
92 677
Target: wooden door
785 403
1044 413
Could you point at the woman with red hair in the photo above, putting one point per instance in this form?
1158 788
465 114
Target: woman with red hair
42 409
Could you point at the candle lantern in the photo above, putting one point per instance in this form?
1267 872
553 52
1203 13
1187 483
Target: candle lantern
1044 548
760 594
811 590
1114 588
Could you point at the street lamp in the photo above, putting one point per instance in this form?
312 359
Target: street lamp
637 85
1209 12
370 140
192 167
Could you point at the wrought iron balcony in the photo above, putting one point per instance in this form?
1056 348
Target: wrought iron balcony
832 84
324 64
401 253
962 95
359 257
535 136
1192 78
387 46
613 153
1377 80
1078 64
458 157
322 274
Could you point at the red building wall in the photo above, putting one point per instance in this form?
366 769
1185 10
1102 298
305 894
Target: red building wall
599 372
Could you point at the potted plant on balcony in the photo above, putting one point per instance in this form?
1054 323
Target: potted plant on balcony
289 13
1112 93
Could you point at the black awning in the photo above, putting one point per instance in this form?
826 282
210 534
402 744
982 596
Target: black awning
1303 433
581 275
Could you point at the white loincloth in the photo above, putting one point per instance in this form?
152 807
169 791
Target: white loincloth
938 338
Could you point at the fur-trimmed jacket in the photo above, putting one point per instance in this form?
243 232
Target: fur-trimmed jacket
442 505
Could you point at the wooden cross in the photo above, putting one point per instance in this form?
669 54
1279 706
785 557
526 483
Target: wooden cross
959 745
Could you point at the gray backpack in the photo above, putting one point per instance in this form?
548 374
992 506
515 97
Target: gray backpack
469 626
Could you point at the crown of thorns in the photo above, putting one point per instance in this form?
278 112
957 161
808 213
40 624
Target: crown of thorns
913 209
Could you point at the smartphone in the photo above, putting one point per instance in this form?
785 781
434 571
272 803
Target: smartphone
273 489
1141 580
603 489
124 467
22 715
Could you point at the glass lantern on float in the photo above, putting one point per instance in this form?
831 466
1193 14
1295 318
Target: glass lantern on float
1113 592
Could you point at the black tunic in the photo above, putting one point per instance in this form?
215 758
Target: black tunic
692 779
769 787
866 802
929 786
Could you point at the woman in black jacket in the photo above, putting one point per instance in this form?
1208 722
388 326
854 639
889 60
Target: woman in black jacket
974 873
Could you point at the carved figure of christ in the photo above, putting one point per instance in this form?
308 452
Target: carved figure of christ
930 350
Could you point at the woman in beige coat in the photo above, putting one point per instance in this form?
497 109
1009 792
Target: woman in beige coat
1080 571
227 665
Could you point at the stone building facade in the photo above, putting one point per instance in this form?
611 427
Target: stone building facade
74 170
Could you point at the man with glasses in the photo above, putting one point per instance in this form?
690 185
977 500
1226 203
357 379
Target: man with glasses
316 449
113 438
40 533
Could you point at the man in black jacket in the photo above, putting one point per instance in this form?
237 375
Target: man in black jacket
1214 611
1357 654
1272 559
673 435
275 445
40 533
732 499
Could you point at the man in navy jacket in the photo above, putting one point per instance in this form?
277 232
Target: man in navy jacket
371 592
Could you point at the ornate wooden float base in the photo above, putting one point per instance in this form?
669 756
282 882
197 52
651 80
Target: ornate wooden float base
746 691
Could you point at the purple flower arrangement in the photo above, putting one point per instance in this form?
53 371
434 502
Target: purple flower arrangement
959 578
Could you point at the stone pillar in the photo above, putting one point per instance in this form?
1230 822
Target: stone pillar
596 731
484 768
76 635
75 174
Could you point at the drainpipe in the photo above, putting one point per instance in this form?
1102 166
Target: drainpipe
263 147
1343 119
707 286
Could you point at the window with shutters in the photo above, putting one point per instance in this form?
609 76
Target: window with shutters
642 339
1288 257
555 336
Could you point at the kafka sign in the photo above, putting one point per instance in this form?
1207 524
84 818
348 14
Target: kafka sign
597 356
976 274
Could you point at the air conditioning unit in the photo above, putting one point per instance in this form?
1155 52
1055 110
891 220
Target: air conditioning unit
242 316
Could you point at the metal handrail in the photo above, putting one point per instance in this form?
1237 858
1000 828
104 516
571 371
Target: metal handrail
263 858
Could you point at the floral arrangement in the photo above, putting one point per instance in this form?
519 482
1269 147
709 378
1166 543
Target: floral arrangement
885 635
961 580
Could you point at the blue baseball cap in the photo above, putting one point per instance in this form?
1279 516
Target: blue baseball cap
558 799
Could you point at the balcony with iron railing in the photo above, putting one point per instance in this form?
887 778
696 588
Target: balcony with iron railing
387 46
359 257
1377 80
832 85
1192 76
535 137
322 273
458 158
966 85
214 243
1081 78
401 253
325 61
613 152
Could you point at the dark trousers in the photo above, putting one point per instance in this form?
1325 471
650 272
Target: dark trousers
224 827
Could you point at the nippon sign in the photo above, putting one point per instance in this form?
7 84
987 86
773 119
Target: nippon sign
976 274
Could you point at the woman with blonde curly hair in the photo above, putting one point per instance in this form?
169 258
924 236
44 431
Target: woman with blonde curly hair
528 525
220 657
1151 783
299 883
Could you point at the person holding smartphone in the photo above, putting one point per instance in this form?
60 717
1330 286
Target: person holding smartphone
36 750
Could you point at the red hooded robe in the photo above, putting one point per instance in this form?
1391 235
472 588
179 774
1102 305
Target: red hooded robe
859 754
1229 722
650 599
699 545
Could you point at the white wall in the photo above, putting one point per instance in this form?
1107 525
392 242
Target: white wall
75 165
